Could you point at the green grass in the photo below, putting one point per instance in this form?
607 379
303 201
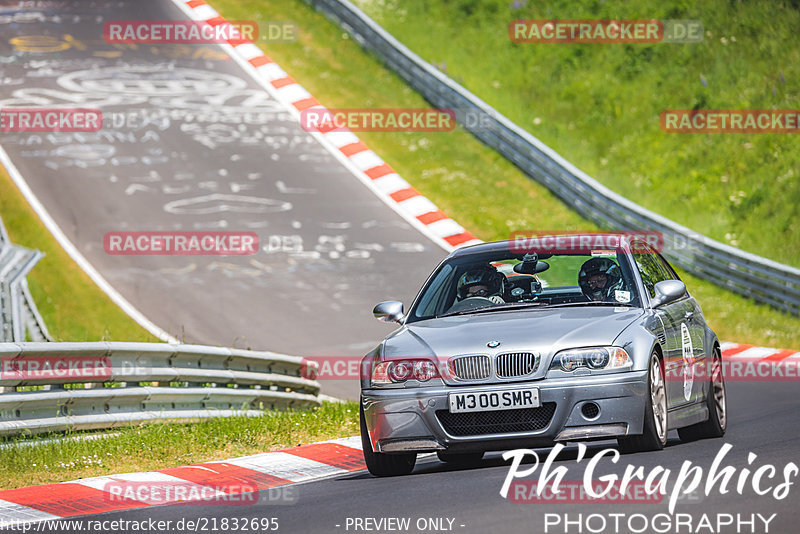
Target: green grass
72 306
598 104
158 446
474 184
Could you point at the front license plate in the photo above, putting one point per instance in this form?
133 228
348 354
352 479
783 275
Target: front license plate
484 401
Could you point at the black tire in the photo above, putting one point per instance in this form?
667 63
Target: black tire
717 403
653 437
463 458
384 465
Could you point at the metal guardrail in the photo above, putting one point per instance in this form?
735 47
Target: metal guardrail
19 317
108 384
759 278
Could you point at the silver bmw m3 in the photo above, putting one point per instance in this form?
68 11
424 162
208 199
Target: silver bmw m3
581 337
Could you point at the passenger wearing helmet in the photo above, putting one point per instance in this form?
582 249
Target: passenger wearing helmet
599 278
483 282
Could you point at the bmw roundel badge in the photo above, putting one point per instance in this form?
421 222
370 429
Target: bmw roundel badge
493 344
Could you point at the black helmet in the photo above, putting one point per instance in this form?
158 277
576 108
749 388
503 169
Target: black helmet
596 266
481 276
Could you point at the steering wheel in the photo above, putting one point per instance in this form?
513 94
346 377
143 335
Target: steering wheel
469 303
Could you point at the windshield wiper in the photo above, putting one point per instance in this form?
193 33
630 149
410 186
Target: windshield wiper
494 307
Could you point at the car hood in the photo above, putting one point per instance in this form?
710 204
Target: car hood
545 331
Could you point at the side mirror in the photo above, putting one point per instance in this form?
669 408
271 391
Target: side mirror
668 291
390 311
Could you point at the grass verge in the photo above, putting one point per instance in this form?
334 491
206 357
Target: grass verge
469 181
71 304
155 446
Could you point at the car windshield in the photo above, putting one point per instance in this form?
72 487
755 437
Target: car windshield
495 281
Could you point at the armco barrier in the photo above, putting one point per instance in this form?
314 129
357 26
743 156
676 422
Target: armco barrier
764 280
107 384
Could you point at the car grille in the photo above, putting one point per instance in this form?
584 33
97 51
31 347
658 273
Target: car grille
470 367
514 364
497 421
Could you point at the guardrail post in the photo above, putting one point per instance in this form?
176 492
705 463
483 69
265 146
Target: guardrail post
19 316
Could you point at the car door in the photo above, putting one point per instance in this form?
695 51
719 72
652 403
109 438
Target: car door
679 375
692 325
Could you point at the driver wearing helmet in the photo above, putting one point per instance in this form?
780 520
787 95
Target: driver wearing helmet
599 278
484 282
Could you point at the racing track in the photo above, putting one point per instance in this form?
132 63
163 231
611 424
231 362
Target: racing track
296 303
763 418
189 143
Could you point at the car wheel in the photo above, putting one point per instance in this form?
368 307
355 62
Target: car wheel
655 430
716 400
464 458
384 465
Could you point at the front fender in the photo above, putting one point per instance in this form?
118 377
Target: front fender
640 338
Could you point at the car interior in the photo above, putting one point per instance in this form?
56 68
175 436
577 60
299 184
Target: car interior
526 278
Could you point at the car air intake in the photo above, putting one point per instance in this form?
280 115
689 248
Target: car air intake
498 421
470 367
515 364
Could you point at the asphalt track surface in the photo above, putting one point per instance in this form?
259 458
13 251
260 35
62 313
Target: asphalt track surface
763 419
306 302
191 143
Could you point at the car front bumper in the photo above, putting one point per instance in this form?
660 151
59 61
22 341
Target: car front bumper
403 420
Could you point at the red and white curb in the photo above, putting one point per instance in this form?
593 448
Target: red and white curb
222 482
742 352
342 143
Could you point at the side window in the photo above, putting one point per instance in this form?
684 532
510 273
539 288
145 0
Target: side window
666 267
651 268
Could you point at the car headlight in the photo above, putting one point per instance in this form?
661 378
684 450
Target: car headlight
399 371
593 358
